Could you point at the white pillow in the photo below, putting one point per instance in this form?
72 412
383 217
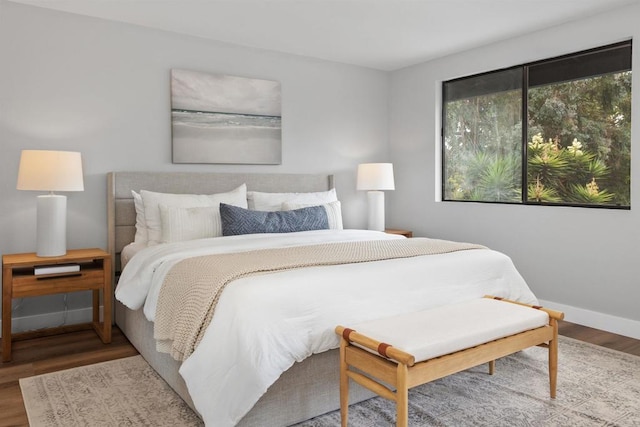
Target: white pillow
152 202
259 201
179 224
141 223
334 212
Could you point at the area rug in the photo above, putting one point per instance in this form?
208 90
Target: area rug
122 392
596 387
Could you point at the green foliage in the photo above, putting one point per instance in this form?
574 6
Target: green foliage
538 193
590 194
499 181
483 148
556 174
596 114
579 149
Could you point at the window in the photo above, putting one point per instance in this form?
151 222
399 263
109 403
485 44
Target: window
554 132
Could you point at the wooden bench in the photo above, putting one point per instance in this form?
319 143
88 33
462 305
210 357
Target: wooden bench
432 344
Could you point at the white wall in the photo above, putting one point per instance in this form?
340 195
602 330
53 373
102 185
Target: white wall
580 258
69 82
75 83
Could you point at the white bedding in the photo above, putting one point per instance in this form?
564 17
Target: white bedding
263 324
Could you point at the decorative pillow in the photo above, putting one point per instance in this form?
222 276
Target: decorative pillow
141 223
237 220
334 212
152 201
259 201
179 224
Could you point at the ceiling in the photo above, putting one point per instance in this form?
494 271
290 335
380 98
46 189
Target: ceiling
380 34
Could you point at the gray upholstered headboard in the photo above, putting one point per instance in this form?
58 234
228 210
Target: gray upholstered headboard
121 215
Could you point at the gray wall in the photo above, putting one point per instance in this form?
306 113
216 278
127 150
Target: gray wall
583 258
75 83
69 82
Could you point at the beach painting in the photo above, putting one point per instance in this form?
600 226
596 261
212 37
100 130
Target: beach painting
225 119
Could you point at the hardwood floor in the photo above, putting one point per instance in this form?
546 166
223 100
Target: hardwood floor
53 353
601 338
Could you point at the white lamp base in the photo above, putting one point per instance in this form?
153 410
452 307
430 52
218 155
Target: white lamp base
376 210
51 230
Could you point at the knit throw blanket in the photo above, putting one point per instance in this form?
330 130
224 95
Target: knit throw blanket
192 288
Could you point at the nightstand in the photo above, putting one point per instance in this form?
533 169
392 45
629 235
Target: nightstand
405 233
19 279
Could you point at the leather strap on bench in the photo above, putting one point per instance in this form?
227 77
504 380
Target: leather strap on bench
346 332
382 349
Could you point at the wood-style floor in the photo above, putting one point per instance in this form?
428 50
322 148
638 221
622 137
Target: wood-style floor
54 353
598 337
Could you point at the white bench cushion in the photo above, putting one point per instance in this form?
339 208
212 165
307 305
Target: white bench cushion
447 329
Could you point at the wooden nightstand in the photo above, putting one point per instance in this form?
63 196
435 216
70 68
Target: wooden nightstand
405 233
19 280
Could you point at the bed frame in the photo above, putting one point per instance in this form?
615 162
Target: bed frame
307 389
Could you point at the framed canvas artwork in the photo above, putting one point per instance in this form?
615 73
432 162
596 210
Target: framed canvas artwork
225 119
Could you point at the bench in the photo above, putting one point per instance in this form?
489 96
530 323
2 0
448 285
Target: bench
408 350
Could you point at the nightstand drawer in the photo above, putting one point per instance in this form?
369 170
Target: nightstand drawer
29 285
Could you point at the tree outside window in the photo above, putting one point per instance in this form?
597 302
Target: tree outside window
574 148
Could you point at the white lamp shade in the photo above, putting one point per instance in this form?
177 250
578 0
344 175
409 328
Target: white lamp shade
42 170
375 176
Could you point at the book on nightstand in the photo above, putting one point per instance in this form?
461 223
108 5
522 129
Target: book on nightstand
56 269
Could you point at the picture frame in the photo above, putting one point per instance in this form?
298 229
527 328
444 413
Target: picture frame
225 119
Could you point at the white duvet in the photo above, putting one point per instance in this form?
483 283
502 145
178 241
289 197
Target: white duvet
265 323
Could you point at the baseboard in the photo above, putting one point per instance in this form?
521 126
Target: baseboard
51 320
594 319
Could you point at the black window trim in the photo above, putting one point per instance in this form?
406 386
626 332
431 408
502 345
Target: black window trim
525 87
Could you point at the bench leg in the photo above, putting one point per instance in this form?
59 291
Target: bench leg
402 396
492 367
344 384
553 359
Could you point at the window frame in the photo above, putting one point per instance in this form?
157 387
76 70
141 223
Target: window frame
588 53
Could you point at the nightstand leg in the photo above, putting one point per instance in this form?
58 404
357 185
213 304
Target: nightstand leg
96 306
103 329
7 295
107 300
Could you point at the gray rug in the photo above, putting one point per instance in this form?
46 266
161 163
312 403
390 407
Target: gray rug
596 387
122 392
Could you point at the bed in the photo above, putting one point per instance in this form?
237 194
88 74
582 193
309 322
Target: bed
310 386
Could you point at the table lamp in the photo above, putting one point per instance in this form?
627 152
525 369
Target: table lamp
375 177
42 170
